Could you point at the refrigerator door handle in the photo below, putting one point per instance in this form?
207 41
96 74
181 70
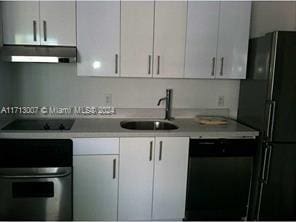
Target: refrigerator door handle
270 124
266 174
272 119
264 164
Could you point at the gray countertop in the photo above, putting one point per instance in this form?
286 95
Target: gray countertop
96 128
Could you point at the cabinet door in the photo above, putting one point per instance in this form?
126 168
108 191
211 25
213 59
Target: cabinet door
202 37
170 178
58 23
136 178
95 187
136 38
98 38
169 38
20 22
233 39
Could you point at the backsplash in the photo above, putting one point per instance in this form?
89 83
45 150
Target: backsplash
59 85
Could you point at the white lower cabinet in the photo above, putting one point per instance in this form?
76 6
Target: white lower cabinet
170 178
129 178
153 175
136 178
95 179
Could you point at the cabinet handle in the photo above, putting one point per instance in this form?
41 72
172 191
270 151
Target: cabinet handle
116 63
114 168
34 30
45 31
222 66
160 150
150 154
149 64
213 66
158 65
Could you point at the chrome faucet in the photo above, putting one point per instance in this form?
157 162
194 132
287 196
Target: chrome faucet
168 104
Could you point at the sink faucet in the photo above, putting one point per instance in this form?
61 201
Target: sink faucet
168 104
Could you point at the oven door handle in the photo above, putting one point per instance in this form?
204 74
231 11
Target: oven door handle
34 174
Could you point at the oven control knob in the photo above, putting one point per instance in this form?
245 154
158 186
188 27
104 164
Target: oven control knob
46 127
62 127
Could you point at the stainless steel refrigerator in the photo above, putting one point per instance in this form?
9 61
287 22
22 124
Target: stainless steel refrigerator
267 103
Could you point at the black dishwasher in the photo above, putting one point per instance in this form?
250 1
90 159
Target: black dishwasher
219 178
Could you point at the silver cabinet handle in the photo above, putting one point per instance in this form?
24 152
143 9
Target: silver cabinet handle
116 63
149 64
160 150
222 66
34 30
158 65
213 66
114 168
44 31
150 153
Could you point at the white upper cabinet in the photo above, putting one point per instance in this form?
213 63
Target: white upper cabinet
98 38
20 22
137 38
58 23
217 39
202 37
39 22
136 178
170 178
169 39
233 39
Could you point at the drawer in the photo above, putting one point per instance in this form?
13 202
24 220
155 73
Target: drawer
95 146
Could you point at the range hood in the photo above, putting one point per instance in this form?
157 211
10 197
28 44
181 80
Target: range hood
39 54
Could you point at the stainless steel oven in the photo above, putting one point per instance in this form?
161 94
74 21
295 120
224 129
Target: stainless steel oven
35 180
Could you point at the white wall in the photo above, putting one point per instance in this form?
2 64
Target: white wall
43 84
268 16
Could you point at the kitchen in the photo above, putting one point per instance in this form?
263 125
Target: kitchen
140 163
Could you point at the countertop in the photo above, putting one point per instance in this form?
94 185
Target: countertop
110 127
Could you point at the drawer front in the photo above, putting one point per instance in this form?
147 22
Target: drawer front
95 146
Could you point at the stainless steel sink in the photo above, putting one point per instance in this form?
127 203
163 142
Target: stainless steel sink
148 125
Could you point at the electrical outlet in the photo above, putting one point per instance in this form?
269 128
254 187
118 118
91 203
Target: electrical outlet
108 99
221 101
